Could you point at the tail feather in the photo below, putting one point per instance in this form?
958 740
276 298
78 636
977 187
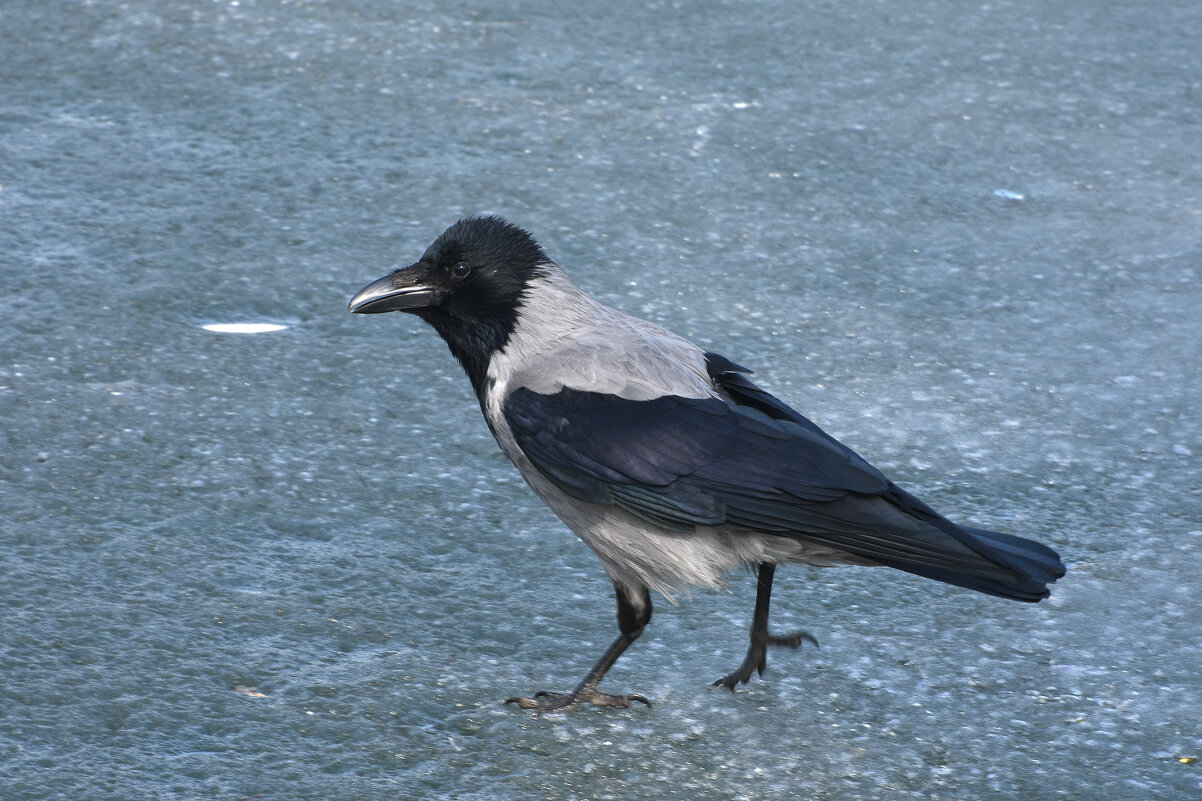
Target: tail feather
1027 567
1039 561
1009 566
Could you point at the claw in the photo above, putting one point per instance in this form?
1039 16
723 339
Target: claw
757 658
793 640
544 702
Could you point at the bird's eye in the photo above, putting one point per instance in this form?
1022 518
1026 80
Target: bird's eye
461 270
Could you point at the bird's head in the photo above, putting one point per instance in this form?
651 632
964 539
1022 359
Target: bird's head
468 285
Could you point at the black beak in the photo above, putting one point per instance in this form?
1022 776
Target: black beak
404 290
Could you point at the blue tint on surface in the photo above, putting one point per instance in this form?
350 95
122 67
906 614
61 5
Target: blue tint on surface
965 239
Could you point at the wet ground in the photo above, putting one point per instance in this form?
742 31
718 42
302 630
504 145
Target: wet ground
292 564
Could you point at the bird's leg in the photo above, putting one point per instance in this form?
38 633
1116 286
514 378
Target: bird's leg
634 612
757 653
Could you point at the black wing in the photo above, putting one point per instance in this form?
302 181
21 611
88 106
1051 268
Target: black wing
683 461
756 464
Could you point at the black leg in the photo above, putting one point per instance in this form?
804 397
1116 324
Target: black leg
634 612
757 653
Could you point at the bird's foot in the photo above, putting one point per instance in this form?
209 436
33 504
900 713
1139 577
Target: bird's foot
757 657
544 702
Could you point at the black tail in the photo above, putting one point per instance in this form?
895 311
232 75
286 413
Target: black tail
1011 566
1031 567
928 544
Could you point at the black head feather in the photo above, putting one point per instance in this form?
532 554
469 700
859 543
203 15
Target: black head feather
485 265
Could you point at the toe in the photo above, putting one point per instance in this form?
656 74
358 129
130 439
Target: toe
544 702
793 640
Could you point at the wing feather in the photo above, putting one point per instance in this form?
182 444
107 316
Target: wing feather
745 460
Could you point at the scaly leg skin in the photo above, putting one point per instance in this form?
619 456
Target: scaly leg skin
634 612
757 653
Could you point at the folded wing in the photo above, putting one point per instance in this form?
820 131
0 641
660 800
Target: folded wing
752 463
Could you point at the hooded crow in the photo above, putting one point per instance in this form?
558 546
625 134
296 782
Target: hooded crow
665 459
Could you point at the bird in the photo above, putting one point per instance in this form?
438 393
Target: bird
665 459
